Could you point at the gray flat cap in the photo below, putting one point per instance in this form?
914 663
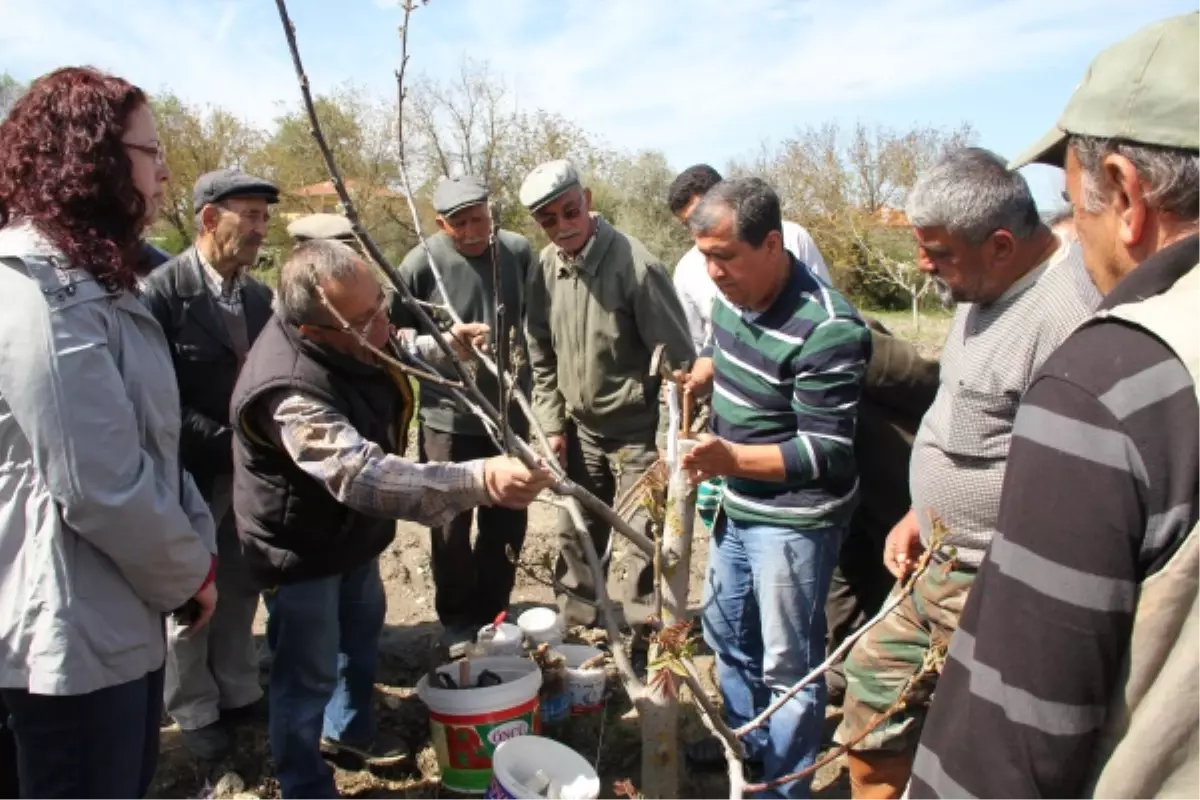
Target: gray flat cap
546 182
455 194
321 226
213 187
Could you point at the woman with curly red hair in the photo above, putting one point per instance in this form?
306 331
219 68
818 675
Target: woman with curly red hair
101 530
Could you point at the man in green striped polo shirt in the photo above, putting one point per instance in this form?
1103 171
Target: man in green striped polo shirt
788 356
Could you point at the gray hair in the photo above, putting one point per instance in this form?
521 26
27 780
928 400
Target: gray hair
1172 175
309 265
972 193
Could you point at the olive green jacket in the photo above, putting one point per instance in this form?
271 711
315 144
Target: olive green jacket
591 327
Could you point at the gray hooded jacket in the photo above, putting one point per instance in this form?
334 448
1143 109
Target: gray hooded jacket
101 531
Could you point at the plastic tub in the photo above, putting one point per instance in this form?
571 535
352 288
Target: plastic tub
467 725
518 761
542 625
585 685
508 640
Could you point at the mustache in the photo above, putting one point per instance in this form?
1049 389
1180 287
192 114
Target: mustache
475 241
565 235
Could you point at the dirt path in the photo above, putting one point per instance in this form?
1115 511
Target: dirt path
410 631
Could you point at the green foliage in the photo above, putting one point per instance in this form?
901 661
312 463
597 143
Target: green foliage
844 186
847 187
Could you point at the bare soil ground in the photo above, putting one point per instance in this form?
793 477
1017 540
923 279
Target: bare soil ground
411 629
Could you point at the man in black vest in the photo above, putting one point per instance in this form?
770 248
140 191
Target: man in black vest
211 312
320 429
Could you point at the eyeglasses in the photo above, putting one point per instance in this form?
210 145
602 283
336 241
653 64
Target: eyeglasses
253 215
155 151
362 329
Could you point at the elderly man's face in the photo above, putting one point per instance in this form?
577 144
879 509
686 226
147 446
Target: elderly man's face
566 220
361 302
1097 232
470 228
969 273
238 226
744 274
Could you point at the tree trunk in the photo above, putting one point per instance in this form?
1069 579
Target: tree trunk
916 311
660 710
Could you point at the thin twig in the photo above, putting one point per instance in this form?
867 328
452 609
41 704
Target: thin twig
710 715
931 665
476 398
550 582
633 686
905 589
419 374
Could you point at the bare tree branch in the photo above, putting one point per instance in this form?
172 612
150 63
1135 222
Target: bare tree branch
710 715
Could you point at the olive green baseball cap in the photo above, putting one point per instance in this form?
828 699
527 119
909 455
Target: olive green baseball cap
1143 89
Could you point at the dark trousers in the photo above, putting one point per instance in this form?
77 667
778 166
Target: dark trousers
859 587
472 584
101 744
8 757
606 467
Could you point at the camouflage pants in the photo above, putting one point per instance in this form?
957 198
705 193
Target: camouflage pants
888 655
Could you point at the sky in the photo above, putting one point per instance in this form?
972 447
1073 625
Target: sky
701 80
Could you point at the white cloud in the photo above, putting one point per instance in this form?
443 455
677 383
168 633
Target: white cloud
672 76
201 51
701 79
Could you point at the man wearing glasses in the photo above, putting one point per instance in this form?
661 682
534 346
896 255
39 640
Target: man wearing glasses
321 423
211 312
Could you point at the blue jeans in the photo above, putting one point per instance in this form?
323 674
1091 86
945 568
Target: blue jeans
764 618
100 744
324 639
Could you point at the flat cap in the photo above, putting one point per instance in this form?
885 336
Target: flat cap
213 187
1143 89
546 182
321 226
455 194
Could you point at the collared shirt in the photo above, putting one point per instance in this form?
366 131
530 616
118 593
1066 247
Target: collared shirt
1100 496
227 295
988 362
791 375
357 472
578 260
697 291
591 330
227 292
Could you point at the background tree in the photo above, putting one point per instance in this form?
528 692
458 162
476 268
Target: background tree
10 90
848 188
196 141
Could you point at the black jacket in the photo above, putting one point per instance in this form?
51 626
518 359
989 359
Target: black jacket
291 527
206 365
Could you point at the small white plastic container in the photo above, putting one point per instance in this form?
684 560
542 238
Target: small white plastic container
504 639
517 762
585 685
542 625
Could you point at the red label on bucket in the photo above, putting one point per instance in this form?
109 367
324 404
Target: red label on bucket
465 743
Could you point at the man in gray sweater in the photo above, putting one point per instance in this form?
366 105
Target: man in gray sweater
472 584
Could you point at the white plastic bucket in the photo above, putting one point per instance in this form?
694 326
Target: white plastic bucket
507 640
585 685
467 725
542 625
517 762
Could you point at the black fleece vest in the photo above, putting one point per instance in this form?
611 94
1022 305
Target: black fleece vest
292 529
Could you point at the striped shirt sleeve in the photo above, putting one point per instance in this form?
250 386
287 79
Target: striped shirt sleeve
828 383
1100 490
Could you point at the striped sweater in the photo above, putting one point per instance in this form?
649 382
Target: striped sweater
1101 491
791 375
